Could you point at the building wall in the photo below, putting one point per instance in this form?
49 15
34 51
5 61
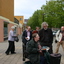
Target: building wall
9 27
20 20
7 9
1 30
19 31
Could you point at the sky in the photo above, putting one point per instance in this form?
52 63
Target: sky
27 7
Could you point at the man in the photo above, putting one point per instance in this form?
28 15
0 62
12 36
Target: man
26 36
46 36
11 47
33 49
60 39
36 31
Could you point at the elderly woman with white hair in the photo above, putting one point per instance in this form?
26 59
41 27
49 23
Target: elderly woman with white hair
46 36
11 47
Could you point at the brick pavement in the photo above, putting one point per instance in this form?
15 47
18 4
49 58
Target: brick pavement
17 58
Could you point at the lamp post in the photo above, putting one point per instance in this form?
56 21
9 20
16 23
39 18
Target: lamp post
43 16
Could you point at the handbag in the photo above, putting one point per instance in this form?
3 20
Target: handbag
56 41
16 39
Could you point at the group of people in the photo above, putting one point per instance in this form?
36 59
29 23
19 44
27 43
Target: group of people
34 40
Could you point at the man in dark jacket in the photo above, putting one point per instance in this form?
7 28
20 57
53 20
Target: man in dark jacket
46 36
33 49
26 36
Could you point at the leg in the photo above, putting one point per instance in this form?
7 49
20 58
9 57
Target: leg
42 60
58 45
13 47
62 45
24 51
9 48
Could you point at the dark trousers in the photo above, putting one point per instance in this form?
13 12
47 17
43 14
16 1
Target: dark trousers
24 49
42 60
11 47
50 50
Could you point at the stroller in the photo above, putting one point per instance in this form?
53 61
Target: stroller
50 58
54 58
25 54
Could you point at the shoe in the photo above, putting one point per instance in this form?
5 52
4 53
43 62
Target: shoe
6 53
13 53
23 59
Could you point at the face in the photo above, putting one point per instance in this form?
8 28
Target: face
37 37
29 28
37 28
62 28
45 26
13 29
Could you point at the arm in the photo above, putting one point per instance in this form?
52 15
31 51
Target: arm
58 36
51 36
31 49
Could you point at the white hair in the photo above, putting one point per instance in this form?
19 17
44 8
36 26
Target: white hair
12 27
62 27
44 24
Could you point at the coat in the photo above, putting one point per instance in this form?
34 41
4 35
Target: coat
58 36
32 50
25 35
46 37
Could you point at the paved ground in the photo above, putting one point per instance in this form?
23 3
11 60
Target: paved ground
17 58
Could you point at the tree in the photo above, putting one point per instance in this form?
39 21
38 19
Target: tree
36 19
54 13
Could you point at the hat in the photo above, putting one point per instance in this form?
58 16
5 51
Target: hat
34 32
12 27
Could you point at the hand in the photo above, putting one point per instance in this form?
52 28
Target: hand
40 51
26 38
39 46
60 42
17 34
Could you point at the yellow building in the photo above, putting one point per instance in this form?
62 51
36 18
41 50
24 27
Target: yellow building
7 19
7 9
20 18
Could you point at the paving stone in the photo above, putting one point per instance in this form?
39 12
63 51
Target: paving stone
17 58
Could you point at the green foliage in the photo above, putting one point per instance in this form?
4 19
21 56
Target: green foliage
36 19
52 13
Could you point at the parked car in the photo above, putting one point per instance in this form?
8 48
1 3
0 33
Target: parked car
54 33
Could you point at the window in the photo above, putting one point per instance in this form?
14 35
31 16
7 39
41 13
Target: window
20 18
5 29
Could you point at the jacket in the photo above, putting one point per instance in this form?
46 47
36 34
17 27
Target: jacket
32 50
58 36
46 37
25 35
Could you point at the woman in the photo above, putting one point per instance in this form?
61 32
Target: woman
33 49
11 47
